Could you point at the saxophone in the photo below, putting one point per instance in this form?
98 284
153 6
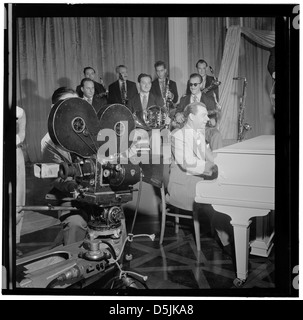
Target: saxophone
242 127
213 115
168 99
168 103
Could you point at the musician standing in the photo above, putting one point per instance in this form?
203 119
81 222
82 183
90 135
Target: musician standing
212 134
100 90
164 87
122 90
207 80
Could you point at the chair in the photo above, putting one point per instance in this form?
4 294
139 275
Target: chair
177 214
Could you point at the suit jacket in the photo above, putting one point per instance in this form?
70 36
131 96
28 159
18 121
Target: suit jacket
114 92
156 90
188 161
208 82
208 101
135 105
99 89
99 104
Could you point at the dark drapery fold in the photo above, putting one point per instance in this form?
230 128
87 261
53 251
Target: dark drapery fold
253 59
205 41
52 52
248 61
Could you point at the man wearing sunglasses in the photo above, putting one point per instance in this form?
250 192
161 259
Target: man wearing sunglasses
212 135
207 80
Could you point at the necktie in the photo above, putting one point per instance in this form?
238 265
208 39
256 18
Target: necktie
195 98
144 102
123 92
90 100
203 82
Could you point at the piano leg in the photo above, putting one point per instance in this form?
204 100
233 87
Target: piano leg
241 235
263 242
240 220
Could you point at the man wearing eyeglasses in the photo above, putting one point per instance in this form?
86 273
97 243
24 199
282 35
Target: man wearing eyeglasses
212 135
207 80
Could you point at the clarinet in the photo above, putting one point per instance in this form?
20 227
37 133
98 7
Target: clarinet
167 100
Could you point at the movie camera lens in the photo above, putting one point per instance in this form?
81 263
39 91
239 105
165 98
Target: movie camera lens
78 169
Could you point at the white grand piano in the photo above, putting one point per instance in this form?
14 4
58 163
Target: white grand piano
244 189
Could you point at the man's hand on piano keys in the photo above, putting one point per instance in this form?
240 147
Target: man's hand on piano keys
210 171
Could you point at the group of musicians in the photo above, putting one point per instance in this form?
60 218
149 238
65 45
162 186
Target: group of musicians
192 143
160 92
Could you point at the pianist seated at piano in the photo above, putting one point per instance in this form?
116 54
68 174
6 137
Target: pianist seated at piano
192 162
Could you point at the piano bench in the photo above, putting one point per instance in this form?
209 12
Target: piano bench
166 211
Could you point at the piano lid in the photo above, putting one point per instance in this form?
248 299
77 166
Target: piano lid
264 144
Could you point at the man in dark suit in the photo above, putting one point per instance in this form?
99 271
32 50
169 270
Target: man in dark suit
100 90
207 80
88 91
212 134
138 104
163 87
122 90
144 99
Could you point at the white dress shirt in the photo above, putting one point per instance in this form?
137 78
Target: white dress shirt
89 100
189 150
142 99
198 97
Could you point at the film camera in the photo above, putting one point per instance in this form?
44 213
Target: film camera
99 178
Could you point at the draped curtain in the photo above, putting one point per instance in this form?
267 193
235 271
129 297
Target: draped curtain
246 56
236 52
52 52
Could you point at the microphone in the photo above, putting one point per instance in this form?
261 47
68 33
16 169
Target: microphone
211 69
